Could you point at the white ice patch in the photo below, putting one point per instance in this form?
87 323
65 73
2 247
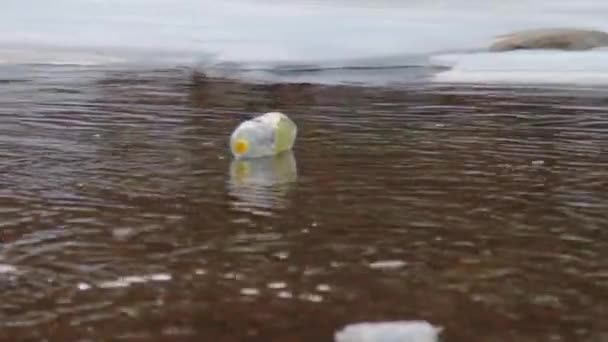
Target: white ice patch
525 66
397 331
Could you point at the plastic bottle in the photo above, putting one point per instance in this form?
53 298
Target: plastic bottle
265 135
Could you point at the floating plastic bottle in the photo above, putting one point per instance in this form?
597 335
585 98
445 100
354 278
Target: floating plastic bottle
396 331
265 135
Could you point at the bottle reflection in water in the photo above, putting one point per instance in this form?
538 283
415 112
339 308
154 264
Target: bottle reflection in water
262 184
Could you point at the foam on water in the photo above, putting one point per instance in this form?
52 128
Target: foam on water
296 34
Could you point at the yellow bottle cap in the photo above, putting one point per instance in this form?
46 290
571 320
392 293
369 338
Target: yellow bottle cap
241 146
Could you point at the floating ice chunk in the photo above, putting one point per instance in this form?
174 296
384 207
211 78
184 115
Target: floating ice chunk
277 285
397 331
130 280
159 277
311 297
323 288
5 268
285 294
250 292
84 286
388 264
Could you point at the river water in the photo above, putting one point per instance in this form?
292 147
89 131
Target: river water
481 208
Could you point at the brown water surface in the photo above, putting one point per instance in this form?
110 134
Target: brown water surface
124 218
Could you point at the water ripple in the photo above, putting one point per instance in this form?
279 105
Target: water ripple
121 206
